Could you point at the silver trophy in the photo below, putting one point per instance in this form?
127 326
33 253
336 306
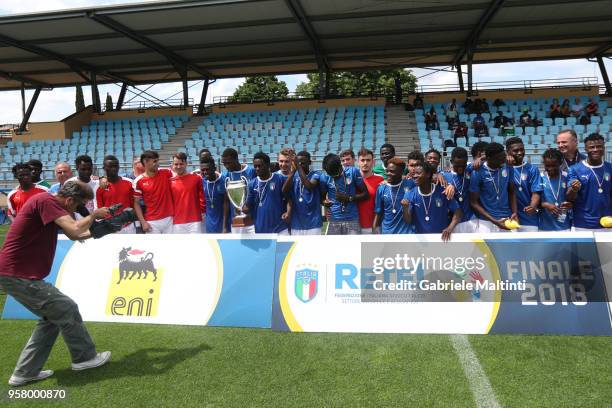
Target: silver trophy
237 193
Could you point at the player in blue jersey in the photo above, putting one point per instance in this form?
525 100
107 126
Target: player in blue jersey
491 191
591 186
478 155
235 171
527 185
303 189
388 211
344 187
428 207
459 177
217 204
555 214
265 202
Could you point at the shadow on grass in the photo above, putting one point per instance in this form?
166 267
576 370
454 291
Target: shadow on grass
142 363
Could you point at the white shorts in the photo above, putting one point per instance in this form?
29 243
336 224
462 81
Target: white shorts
485 226
467 227
312 231
128 229
187 228
243 230
528 228
284 232
163 226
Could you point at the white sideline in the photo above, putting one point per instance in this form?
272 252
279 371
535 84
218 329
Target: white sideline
479 382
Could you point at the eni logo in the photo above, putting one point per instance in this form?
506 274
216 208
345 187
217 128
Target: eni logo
135 285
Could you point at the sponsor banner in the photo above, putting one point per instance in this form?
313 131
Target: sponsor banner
604 249
496 283
166 279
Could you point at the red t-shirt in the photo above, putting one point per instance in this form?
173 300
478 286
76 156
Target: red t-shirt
120 192
187 195
156 194
17 198
30 243
366 207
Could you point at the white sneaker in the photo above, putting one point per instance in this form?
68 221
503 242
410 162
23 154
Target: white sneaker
16 381
97 361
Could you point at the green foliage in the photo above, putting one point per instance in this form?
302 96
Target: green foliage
360 83
260 88
80 101
109 102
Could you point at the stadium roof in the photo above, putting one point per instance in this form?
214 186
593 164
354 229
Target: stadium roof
160 41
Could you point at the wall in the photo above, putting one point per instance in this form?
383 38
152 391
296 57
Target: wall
305 104
42 131
513 94
145 113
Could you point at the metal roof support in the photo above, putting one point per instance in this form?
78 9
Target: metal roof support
460 77
23 108
121 96
327 80
185 88
28 113
203 97
398 89
472 39
321 89
24 80
470 62
302 19
604 75
95 94
175 59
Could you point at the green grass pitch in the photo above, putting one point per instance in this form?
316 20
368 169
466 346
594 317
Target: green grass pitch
180 366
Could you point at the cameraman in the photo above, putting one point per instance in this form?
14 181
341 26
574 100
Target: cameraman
26 258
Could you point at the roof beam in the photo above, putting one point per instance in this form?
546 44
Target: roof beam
600 51
302 19
179 62
20 78
472 39
75 65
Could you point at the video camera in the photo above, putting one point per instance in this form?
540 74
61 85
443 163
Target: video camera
113 224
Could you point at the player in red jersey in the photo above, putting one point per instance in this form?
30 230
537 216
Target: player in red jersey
187 196
372 180
26 189
115 190
154 188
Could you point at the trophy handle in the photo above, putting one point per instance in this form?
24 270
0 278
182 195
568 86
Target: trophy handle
246 195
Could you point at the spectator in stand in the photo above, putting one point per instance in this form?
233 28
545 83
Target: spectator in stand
525 120
499 102
468 106
452 105
592 108
372 181
483 105
62 174
452 116
461 131
431 120
555 109
577 109
418 102
24 191
37 169
479 124
565 109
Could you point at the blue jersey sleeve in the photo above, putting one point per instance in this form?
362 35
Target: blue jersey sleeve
252 194
572 176
453 205
358 178
535 180
475 182
378 201
323 179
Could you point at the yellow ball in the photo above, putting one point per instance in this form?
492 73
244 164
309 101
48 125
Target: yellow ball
511 224
606 222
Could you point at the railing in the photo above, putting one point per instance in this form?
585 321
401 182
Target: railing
153 103
292 96
527 84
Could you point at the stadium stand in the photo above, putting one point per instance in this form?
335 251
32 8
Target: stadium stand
318 131
537 138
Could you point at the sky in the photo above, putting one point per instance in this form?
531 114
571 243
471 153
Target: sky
57 104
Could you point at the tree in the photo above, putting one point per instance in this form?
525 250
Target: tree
109 102
260 88
80 101
381 82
